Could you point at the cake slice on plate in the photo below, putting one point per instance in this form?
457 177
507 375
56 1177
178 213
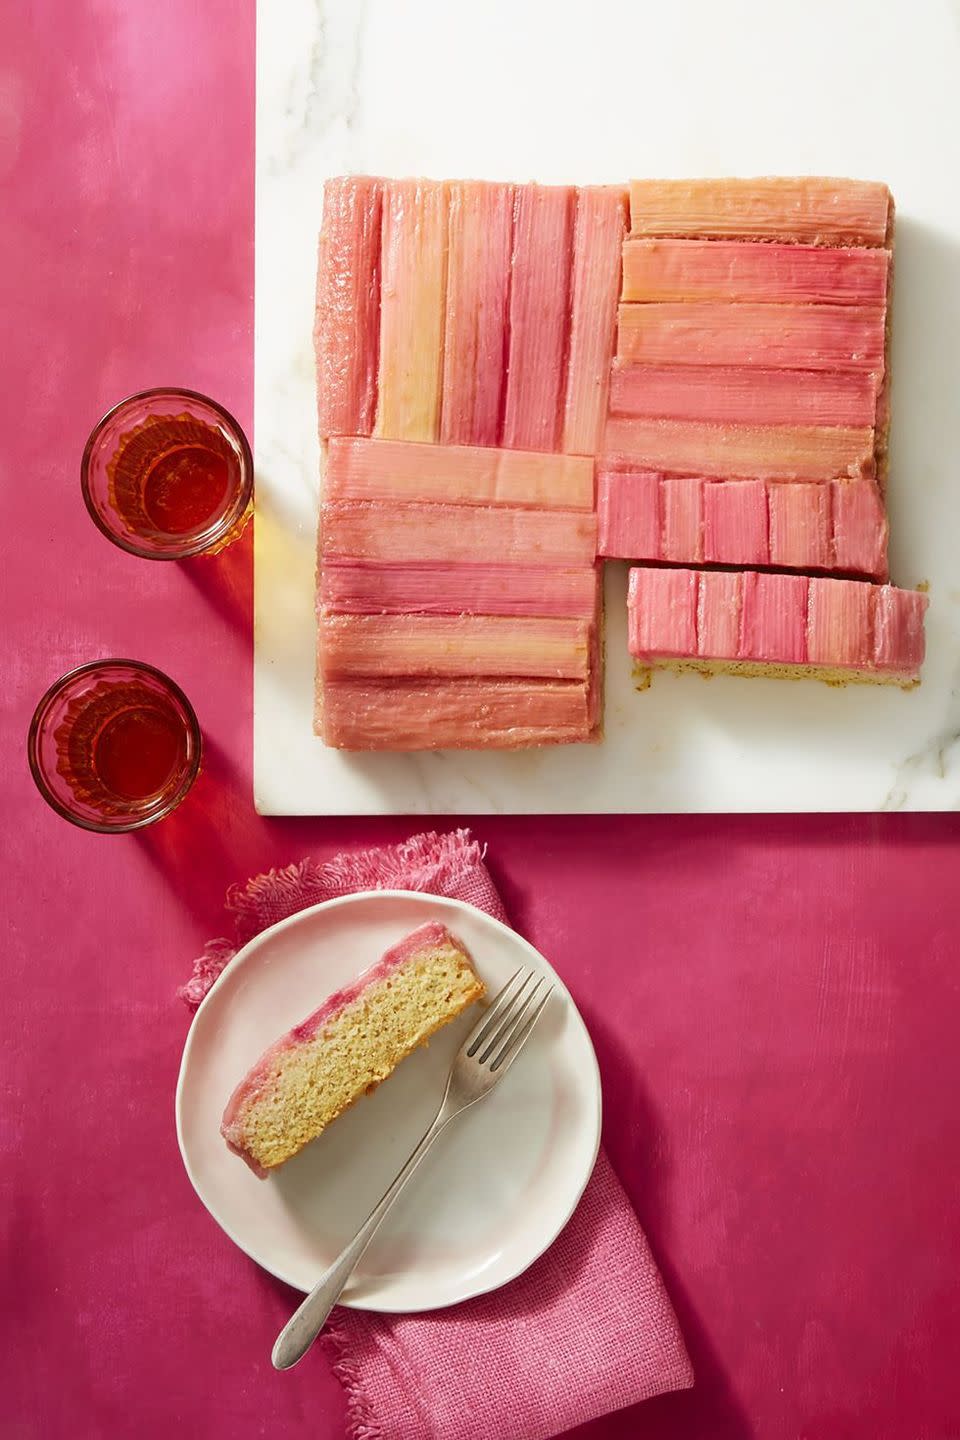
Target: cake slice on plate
344 1049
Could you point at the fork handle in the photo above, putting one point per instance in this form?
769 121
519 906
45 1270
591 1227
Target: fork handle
305 1324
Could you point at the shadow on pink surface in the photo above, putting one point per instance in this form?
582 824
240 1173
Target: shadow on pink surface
225 581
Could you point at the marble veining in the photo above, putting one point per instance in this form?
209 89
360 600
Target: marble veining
522 92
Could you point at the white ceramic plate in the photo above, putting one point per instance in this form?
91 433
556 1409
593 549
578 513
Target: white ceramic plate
499 1184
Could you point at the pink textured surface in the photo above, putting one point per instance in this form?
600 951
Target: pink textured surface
774 1002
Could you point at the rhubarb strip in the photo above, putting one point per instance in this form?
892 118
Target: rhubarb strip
598 241
385 470
412 309
799 337
898 641
743 394
441 646
629 515
444 589
475 325
452 714
840 622
735 523
662 612
860 528
800 527
347 319
456 534
764 452
814 209
719 602
681 499
771 274
773 622
539 317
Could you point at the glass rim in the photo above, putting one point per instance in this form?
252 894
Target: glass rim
212 535
40 779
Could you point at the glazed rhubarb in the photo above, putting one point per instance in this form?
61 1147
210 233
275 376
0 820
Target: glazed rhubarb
440 588
598 240
681 504
722 367
455 534
735 523
346 1047
400 470
792 337
454 714
446 646
745 394
539 316
801 527
347 317
480 239
771 274
760 452
840 526
813 209
413 278
791 626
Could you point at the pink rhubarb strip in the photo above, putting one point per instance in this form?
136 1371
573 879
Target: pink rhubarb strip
444 589
477 299
347 322
744 394
771 273
539 317
453 714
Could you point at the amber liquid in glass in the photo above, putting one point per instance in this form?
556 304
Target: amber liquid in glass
172 475
121 745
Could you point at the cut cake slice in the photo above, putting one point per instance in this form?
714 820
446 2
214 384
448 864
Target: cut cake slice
346 1047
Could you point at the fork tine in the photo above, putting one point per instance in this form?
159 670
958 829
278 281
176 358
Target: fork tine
495 1011
519 1036
510 1022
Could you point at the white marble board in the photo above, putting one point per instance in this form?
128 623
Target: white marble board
545 90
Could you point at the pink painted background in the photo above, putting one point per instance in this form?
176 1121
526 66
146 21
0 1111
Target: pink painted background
775 1003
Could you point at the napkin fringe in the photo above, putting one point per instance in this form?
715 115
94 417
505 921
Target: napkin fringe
448 864
362 1424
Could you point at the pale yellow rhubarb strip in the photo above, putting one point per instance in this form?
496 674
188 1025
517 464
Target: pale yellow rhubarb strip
760 452
413 266
598 241
441 646
361 469
814 209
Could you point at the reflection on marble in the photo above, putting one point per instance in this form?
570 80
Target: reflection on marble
513 91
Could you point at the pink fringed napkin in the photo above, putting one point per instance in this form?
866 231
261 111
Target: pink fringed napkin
586 1330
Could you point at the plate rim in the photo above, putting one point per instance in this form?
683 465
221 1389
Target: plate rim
242 956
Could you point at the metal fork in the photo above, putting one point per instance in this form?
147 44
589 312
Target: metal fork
484 1058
